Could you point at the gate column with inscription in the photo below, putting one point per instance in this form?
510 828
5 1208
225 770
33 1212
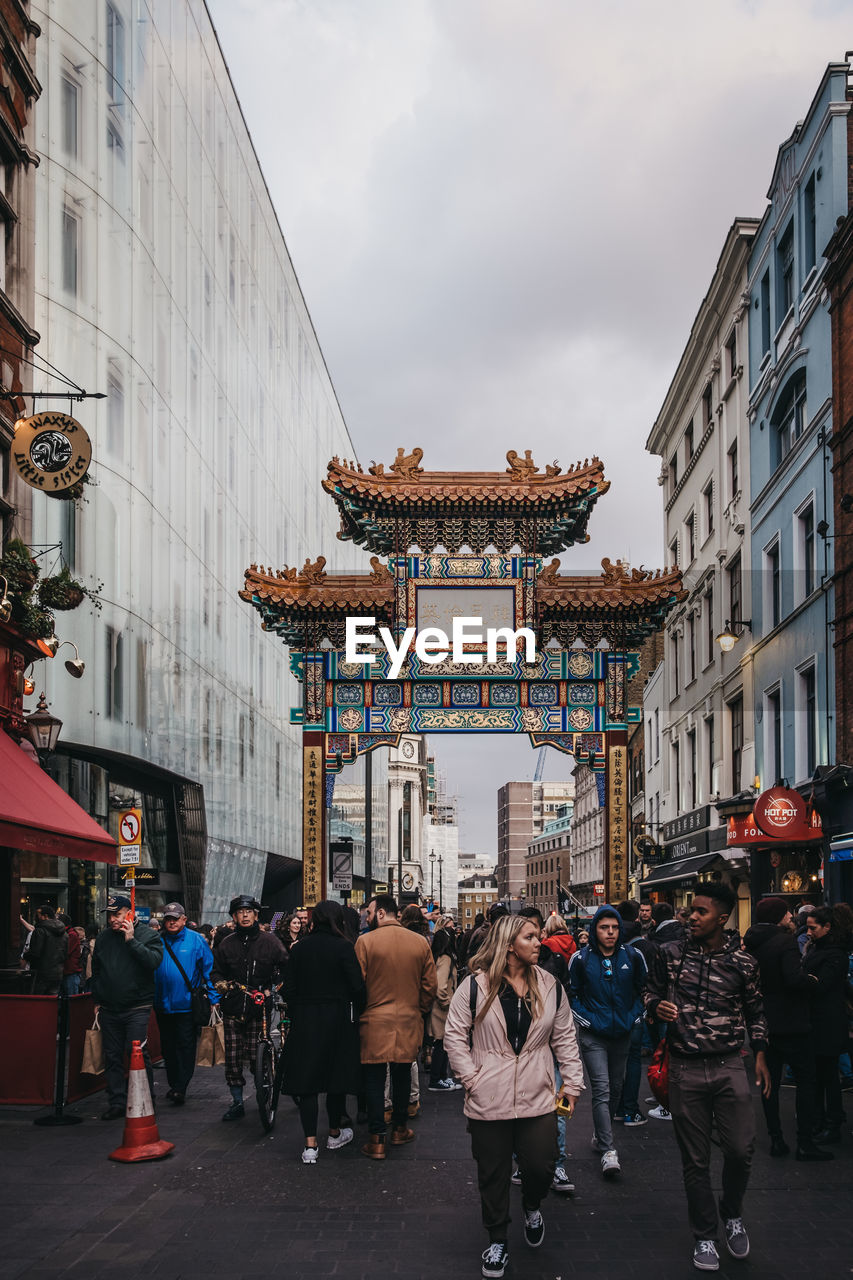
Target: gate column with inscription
314 872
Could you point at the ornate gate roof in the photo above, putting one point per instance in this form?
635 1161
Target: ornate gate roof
541 511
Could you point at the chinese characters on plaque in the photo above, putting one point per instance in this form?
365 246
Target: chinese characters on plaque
312 825
617 814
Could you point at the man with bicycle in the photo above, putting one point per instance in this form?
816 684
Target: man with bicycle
247 964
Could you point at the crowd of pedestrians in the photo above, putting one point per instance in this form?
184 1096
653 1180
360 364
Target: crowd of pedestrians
518 1011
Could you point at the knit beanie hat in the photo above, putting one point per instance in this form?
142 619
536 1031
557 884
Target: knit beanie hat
771 911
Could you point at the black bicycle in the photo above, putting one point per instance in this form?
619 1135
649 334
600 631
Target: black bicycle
269 1059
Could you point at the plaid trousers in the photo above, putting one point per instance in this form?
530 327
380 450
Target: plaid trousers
241 1046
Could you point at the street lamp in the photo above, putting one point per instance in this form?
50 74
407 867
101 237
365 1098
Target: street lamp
728 638
432 877
43 730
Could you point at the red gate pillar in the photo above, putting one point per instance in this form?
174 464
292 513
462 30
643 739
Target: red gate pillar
617 826
313 817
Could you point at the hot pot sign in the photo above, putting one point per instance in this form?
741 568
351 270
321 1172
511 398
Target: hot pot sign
51 451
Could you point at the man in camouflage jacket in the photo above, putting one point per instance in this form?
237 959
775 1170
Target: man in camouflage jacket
706 991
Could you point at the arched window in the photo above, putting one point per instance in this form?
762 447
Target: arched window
788 421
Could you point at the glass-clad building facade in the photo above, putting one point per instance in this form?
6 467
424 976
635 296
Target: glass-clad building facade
163 280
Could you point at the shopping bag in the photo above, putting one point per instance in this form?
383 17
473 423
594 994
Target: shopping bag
93 1051
211 1042
658 1073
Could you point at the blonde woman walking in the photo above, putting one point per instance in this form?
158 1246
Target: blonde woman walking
506 1025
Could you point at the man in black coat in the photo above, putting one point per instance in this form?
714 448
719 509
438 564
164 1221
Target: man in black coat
786 991
255 960
47 952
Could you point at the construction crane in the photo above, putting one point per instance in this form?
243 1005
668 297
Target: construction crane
540 765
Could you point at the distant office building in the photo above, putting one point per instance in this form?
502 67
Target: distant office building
523 810
548 864
587 837
476 895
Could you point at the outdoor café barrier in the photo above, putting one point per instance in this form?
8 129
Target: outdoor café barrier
43 1038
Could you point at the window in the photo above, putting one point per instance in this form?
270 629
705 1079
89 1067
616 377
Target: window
676 672
673 552
807 753
707 406
691 757
676 776
711 749
805 527
736 735
735 588
789 418
765 313
772 586
809 227
688 442
731 355
691 643
785 272
773 735
673 473
115 412
708 495
70 251
114 673
115 55
709 625
70 117
68 533
734 476
690 531
657 733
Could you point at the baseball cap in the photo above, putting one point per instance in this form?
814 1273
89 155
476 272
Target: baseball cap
117 902
173 909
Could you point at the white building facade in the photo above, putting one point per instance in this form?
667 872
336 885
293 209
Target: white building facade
163 280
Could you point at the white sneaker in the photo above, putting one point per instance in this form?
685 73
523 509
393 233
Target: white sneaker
333 1144
309 1155
561 1181
610 1164
660 1113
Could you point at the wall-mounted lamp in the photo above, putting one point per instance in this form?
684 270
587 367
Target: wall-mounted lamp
5 602
728 638
28 685
74 666
48 646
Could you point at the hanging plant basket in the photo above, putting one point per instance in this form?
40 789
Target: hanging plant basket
61 591
32 619
19 568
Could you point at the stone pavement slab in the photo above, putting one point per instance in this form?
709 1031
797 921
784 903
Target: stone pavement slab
235 1202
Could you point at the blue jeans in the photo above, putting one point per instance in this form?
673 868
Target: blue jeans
629 1102
71 984
604 1058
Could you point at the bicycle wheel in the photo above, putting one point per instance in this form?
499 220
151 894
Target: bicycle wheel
265 1090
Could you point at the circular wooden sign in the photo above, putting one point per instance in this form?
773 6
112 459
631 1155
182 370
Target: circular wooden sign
51 451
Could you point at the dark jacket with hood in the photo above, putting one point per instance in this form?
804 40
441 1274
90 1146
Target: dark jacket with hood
552 962
785 988
668 931
607 998
123 971
48 949
827 960
717 994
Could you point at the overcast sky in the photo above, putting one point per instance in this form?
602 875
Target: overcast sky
504 215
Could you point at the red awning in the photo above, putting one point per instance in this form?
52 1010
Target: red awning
36 815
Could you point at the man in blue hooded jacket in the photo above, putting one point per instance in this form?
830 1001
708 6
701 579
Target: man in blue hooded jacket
606 981
183 949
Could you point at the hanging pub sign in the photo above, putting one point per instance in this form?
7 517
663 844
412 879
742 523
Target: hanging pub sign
779 815
51 451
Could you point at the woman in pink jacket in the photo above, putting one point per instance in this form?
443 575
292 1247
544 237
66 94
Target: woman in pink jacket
505 1027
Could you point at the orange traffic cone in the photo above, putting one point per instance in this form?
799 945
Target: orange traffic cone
141 1139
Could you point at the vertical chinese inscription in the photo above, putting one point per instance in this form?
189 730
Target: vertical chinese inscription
313 800
617 823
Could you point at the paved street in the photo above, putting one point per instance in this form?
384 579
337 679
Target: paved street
234 1202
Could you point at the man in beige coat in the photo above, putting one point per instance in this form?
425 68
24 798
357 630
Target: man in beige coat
399 973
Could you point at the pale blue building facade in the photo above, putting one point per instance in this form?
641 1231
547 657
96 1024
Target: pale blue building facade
790 422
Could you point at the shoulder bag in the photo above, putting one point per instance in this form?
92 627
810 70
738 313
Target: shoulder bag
200 1005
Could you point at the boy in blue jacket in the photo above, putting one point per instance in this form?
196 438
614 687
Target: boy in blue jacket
606 981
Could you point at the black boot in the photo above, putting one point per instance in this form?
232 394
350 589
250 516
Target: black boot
778 1146
808 1151
829 1134
235 1112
